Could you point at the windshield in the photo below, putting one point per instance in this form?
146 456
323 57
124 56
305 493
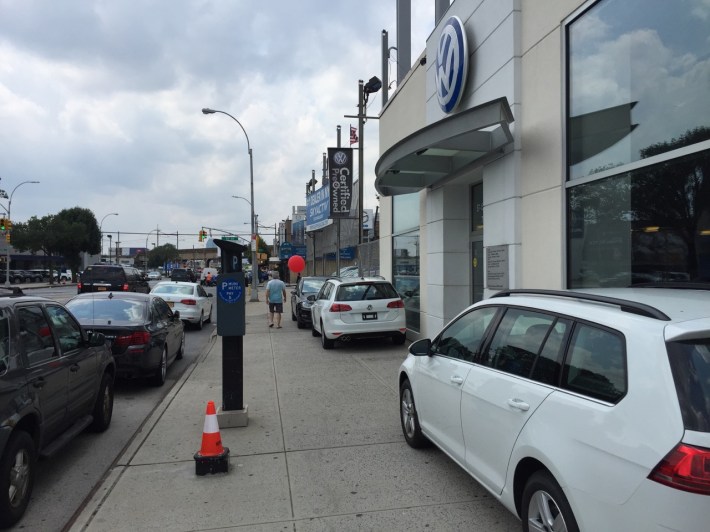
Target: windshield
168 289
690 364
109 311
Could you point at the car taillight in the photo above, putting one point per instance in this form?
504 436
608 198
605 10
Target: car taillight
396 304
136 338
125 287
340 307
685 468
78 287
188 302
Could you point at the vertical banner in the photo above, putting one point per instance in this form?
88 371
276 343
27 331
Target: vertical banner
340 166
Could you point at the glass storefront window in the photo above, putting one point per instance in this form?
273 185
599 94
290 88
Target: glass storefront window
647 225
638 79
406 275
405 208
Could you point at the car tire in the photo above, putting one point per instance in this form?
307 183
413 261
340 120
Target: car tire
162 371
103 409
544 503
200 324
209 317
399 338
409 419
181 350
17 472
324 340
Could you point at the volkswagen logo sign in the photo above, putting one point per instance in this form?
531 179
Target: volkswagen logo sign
451 64
340 158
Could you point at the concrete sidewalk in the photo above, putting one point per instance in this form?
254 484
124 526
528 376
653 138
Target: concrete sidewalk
323 450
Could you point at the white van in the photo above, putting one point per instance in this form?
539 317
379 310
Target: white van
204 273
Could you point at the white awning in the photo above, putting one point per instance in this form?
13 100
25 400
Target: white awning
445 149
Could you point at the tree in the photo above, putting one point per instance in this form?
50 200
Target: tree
67 233
162 254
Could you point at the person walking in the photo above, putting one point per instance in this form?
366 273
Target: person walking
275 298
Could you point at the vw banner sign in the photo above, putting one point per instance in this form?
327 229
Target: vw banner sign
340 166
451 64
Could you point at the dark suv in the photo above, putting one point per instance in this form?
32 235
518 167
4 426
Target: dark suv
56 380
112 278
183 274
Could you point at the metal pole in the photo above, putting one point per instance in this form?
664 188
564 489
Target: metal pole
361 173
9 217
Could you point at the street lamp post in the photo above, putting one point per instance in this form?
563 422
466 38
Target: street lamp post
145 266
101 232
109 247
9 216
254 264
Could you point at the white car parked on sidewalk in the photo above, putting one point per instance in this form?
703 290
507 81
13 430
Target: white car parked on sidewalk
347 308
190 299
577 410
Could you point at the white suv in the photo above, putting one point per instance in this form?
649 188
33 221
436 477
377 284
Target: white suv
585 410
357 307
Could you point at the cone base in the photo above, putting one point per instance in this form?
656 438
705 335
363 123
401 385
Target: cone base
212 464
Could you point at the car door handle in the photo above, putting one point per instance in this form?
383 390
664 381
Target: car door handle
456 379
39 383
74 368
519 404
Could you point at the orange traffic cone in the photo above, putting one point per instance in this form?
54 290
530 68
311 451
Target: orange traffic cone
212 456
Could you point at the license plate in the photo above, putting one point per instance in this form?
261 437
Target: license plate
369 316
101 288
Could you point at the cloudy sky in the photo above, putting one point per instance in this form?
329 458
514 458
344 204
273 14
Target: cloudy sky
100 101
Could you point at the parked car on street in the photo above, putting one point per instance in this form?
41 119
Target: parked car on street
358 307
300 305
144 333
154 275
112 278
578 410
56 379
183 274
190 299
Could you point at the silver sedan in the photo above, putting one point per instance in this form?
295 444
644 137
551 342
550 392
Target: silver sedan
193 302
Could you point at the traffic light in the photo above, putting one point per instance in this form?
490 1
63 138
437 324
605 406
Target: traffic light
3 223
203 235
8 224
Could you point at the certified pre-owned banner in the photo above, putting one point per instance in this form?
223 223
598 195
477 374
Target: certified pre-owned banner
340 163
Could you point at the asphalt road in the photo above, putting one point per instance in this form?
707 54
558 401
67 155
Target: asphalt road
64 481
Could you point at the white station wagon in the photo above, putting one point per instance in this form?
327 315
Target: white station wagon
583 410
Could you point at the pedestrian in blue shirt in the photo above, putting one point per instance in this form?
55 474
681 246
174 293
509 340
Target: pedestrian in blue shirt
275 297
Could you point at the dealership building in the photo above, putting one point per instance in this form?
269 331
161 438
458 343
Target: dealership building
548 144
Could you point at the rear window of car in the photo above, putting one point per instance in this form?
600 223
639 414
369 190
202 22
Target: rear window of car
108 311
690 365
174 289
366 291
99 273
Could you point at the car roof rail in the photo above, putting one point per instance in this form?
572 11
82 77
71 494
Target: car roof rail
625 305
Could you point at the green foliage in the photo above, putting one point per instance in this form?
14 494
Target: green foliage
162 254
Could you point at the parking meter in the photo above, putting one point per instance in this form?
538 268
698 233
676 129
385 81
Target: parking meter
231 326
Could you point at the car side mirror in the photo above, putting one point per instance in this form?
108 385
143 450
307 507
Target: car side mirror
176 314
96 339
421 348
312 298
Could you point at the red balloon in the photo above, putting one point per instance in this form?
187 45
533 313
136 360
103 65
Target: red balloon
296 264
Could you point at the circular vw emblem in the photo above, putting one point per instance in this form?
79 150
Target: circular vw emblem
451 64
340 158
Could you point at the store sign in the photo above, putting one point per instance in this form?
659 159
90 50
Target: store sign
451 64
318 209
497 267
340 172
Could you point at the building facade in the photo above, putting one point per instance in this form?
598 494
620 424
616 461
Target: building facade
547 144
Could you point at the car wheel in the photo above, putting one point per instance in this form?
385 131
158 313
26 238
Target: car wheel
17 471
162 371
545 507
181 349
409 418
103 409
324 340
399 338
293 315
200 324
209 317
